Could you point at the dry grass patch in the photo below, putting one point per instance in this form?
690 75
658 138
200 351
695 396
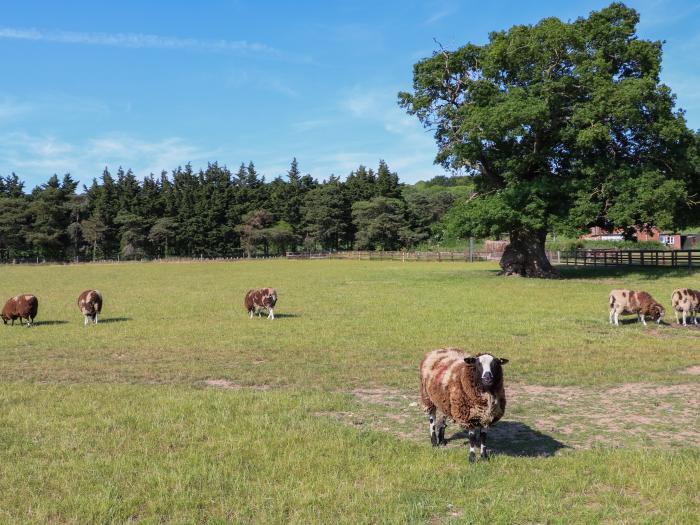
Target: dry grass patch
541 420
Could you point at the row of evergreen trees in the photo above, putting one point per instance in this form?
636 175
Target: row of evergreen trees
212 213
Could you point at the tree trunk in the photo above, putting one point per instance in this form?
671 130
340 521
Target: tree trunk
525 256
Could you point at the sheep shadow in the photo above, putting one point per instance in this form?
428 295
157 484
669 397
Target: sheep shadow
113 320
650 323
277 316
49 323
513 438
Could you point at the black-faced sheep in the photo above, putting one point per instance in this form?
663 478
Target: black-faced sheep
631 302
686 302
90 304
262 298
467 389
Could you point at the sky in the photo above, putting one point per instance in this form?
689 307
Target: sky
154 85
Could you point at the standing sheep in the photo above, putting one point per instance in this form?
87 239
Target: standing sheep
262 298
631 302
467 389
90 304
687 302
20 307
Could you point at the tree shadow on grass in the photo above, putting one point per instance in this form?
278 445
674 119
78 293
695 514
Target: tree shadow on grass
646 273
513 438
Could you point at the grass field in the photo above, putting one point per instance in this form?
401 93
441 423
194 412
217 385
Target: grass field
178 408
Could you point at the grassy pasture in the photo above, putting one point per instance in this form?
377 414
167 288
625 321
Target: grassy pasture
312 417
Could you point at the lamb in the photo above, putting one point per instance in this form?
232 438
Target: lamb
20 307
687 302
262 298
90 304
631 302
467 389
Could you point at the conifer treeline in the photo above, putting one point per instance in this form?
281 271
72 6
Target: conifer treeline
213 213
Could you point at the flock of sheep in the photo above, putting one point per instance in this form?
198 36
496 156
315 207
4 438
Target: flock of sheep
684 301
453 384
26 306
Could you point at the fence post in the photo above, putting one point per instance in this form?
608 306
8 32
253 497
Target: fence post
471 249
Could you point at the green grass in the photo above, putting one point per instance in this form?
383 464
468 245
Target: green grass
115 423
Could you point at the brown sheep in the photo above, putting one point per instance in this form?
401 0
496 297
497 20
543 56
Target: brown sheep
20 307
631 302
262 298
467 389
90 304
686 301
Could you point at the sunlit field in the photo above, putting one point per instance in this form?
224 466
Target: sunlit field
177 407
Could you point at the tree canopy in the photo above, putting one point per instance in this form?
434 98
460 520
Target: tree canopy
563 126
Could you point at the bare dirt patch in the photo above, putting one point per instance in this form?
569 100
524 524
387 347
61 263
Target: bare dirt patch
230 385
692 370
541 420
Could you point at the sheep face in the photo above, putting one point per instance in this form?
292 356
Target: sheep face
657 313
488 371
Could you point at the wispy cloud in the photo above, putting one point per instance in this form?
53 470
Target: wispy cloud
441 11
10 108
264 81
136 40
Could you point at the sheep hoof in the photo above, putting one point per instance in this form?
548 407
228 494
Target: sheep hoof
443 442
485 455
434 440
472 457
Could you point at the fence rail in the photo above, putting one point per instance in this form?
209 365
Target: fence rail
398 255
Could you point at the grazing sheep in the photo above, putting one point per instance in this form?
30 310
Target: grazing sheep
687 302
20 307
467 389
90 304
631 302
262 298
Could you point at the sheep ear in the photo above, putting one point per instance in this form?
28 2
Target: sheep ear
470 360
502 360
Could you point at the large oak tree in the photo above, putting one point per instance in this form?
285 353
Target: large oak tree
563 125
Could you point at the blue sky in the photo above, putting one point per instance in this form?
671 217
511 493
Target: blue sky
153 85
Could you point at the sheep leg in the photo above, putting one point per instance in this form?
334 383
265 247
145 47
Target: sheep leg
271 315
250 313
95 319
611 315
472 445
482 442
678 319
617 316
431 421
684 318
85 322
641 318
441 432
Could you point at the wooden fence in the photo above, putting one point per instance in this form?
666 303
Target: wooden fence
595 258
651 258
